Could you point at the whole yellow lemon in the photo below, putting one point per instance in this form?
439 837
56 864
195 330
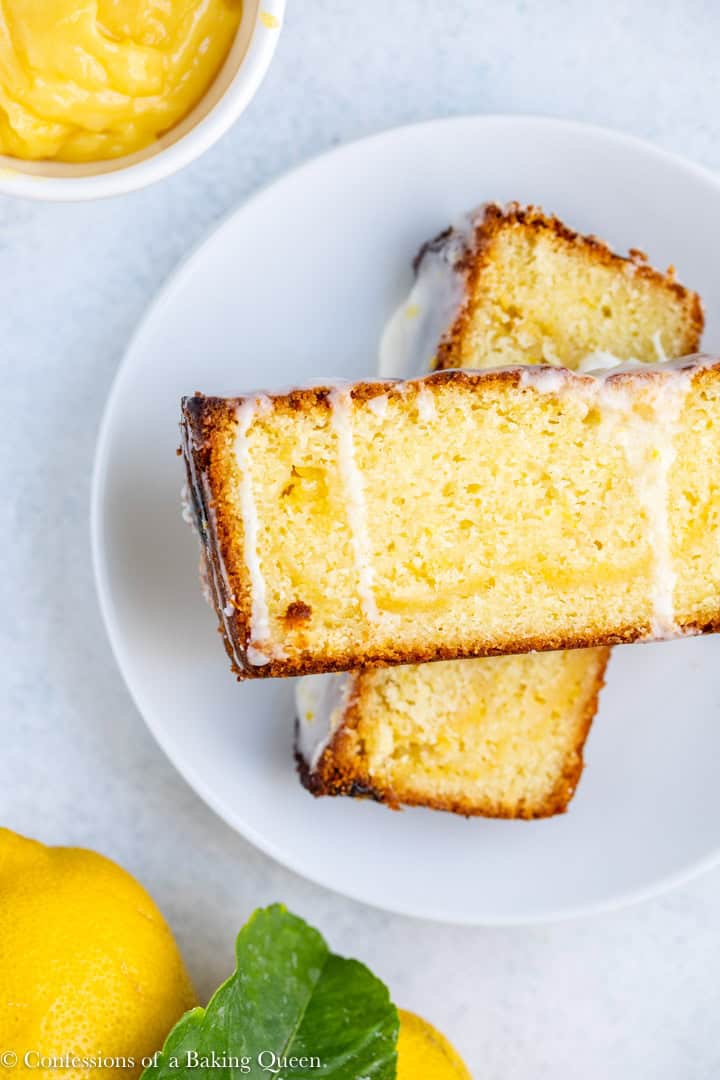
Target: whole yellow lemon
425 1054
88 966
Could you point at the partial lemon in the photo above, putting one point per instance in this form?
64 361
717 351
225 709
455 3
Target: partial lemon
425 1054
88 966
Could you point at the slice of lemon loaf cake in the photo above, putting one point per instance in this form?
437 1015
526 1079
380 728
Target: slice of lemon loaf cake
460 514
499 737
516 286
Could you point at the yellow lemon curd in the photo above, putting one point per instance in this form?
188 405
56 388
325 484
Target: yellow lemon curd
88 80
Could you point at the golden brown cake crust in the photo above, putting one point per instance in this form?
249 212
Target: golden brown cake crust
495 219
208 427
339 770
205 422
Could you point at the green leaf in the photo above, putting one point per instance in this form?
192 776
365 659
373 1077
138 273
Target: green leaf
292 1010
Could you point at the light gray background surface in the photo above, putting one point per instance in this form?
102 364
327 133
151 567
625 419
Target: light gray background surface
635 994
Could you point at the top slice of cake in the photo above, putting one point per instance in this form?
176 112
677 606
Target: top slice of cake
513 285
462 514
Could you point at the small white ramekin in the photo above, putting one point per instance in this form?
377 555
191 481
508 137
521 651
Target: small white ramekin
227 97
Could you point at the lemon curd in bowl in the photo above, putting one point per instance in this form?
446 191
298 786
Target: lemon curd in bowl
92 80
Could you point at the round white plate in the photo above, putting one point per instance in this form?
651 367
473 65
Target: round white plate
297 285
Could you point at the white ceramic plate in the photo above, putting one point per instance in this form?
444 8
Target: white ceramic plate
297 285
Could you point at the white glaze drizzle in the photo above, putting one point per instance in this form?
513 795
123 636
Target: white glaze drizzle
598 361
321 702
340 401
186 506
658 346
425 404
379 406
414 332
260 650
546 380
649 463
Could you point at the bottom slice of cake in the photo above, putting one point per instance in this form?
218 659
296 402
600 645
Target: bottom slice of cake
499 738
